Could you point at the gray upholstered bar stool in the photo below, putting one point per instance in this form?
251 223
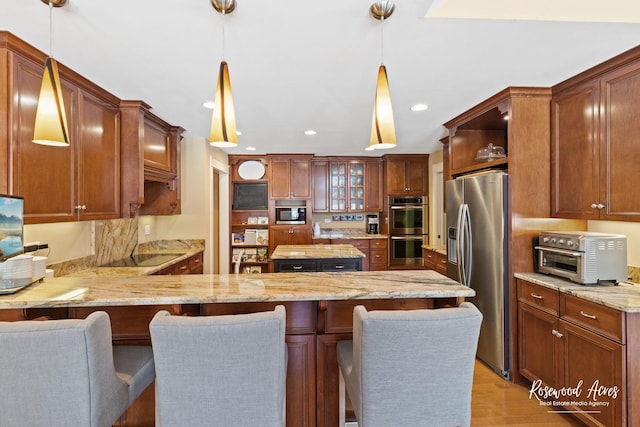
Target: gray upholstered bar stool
67 373
220 370
410 368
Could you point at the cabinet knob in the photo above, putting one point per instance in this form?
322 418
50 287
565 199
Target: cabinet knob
81 207
597 206
600 206
556 333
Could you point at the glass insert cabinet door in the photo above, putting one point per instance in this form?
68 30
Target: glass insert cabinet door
347 187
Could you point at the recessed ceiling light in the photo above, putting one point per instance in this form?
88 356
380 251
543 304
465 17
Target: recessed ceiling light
310 132
419 107
208 104
250 148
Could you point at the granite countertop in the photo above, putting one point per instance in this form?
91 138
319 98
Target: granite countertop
624 297
442 251
347 236
315 252
136 271
68 291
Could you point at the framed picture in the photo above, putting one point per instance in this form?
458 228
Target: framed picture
255 269
263 220
252 220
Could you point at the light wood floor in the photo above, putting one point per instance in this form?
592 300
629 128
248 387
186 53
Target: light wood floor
496 402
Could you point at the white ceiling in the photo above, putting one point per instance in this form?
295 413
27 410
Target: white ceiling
298 65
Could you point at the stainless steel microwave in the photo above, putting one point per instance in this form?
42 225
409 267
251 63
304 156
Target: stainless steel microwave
291 215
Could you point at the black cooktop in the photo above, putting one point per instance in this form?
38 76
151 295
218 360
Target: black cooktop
142 260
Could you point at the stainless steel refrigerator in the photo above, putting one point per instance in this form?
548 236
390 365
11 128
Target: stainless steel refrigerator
477 256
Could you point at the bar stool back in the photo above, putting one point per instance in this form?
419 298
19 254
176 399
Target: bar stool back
220 370
410 367
67 373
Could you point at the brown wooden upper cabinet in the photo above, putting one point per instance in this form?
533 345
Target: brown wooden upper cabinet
150 162
344 184
290 176
79 182
594 148
373 185
406 175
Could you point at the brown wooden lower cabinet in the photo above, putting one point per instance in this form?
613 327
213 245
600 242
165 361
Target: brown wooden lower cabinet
565 341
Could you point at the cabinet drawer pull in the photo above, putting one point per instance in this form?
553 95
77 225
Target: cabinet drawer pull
590 316
297 267
338 267
536 296
556 333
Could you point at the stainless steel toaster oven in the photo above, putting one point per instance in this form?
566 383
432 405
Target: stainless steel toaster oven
583 257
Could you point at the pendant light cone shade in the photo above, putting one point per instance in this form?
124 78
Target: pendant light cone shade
223 122
383 131
51 120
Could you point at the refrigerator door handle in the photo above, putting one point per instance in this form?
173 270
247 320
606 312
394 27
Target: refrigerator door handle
459 244
468 258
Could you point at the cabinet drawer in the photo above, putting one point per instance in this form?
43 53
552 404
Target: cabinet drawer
340 265
378 244
301 315
430 259
441 263
602 320
544 298
336 317
362 244
182 267
378 256
295 266
195 264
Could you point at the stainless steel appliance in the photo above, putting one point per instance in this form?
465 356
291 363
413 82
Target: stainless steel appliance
408 230
408 215
291 215
372 224
583 257
406 250
477 256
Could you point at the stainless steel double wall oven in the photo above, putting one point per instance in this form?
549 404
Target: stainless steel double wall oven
408 230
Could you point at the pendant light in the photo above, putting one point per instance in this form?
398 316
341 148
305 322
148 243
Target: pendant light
383 131
223 121
50 127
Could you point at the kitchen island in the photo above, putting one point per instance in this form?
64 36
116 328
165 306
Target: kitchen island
319 314
311 258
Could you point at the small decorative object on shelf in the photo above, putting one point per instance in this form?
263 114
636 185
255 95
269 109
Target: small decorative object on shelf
237 238
490 152
252 220
263 220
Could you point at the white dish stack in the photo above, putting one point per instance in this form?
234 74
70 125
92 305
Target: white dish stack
18 267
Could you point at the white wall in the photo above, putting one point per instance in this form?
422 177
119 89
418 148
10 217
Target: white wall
197 156
68 240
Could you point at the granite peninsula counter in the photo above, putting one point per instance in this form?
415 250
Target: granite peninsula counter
67 291
319 310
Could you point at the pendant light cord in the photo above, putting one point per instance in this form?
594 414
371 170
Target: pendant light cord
50 30
382 40
224 13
